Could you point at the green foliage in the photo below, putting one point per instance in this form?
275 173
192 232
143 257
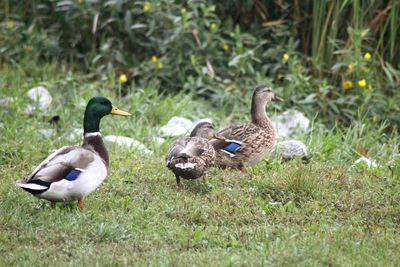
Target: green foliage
275 214
220 51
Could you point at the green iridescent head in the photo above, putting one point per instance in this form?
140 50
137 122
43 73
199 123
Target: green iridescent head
96 109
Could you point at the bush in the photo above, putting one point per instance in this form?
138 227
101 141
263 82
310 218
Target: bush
337 59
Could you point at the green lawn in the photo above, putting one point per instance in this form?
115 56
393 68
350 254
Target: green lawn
321 213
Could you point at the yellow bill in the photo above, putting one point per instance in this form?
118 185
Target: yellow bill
116 111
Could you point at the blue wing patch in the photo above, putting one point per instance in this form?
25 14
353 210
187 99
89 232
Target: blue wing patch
73 174
232 147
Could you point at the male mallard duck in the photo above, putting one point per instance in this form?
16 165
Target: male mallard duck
71 172
190 157
245 144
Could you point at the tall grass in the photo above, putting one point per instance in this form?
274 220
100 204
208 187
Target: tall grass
342 24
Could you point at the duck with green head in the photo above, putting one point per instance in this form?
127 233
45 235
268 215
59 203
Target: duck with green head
71 172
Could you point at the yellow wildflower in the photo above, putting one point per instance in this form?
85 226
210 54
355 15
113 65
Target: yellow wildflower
350 67
154 59
160 65
285 56
146 6
10 24
213 26
183 11
362 83
225 47
123 78
347 84
364 33
367 56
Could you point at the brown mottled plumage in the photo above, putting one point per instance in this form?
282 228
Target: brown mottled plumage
190 157
245 144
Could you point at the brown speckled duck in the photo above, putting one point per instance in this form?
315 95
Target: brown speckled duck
190 157
241 145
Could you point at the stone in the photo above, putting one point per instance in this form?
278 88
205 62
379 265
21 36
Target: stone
395 161
127 142
291 149
75 134
41 97
29 109
176 126
5 102
158 140
364 162
47 132
290 123
209 120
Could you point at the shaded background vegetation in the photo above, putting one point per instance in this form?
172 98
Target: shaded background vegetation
337 59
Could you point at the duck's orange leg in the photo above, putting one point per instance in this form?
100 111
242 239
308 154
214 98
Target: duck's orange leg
81 205
242 169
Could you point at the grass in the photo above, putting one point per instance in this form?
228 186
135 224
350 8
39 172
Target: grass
321 213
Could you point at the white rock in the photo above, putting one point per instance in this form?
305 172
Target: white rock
1 125
75 134
289 123
5 102
363 161
81 104
395 161
158 140
209 120
28 110
127 142
292 149
274 203
40 96
176 126
47 132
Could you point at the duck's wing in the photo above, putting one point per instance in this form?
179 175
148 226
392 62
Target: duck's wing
58 165
175 149
238 138
228 146
188 148
238 132
66 163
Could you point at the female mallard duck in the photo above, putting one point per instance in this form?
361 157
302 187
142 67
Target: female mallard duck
190 157
71 172
241 145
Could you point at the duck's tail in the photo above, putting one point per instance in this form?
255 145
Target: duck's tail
34 187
